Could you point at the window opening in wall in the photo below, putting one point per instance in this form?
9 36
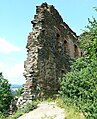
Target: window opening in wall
66 47
58 36
81 54
76 52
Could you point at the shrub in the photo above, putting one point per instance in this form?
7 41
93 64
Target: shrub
30 106
17 92
2 116
80 87
17 114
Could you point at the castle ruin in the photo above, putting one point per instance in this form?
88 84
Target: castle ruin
50 45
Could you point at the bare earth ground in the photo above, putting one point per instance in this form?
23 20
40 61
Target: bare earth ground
45 110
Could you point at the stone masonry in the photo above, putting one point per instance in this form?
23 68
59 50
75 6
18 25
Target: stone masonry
50 45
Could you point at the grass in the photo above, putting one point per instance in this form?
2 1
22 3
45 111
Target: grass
71 111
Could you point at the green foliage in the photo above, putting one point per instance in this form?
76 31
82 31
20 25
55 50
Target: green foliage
2 116
71 110
17 92
72 113
16 115
88 40
30 106
5 95
80 85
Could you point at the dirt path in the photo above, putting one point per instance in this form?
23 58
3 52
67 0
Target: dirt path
45 110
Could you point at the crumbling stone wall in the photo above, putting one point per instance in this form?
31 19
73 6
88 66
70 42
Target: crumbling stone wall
49 47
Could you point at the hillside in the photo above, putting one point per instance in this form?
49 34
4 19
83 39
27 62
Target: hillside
16 86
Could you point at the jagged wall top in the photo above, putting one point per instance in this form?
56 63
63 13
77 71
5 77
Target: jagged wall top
54 13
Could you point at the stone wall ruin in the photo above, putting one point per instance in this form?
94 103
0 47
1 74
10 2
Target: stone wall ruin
49 48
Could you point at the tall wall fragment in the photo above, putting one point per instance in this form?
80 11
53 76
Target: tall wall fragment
49 47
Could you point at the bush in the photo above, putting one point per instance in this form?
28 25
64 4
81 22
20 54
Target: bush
30 106
5 95
2 116
80 87
17 114
17 92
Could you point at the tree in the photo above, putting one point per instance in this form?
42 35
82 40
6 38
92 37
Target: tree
88 40
5 95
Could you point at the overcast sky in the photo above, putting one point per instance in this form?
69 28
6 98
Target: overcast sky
15 25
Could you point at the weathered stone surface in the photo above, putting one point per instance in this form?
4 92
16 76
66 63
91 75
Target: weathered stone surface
49 47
